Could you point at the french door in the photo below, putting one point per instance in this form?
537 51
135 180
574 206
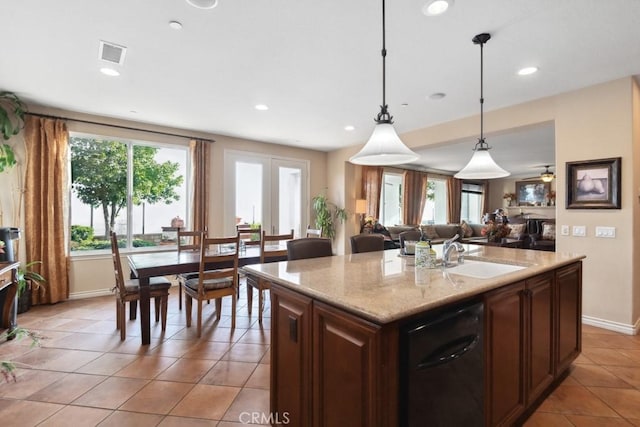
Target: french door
272 192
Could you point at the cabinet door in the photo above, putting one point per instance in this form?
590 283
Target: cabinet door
290 356
539 366
345 357
504 354
569 298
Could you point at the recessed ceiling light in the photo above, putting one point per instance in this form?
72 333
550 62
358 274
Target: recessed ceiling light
437 96
527 70
404 104
262 107
436 7
109 72
203 4
175 25
349 128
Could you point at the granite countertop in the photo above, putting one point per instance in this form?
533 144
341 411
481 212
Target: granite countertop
382 286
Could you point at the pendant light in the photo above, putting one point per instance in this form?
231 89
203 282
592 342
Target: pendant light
384 146
481 165
547 175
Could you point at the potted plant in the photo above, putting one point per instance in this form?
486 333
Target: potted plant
12 111
28 279
327 214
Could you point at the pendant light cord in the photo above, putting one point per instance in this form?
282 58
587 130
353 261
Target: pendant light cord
481 92
383 115
481 39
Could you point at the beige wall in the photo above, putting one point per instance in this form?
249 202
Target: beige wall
591 123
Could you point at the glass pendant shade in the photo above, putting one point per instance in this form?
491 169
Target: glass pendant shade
481 166
384 148
203 4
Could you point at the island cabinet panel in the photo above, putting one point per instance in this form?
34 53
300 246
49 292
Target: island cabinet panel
291 319
539 322
345 361
504 346
569 315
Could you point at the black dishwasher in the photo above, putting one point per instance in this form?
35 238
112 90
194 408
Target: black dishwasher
442 368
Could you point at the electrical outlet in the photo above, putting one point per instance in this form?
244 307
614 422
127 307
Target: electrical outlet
579 230
564 230
607 232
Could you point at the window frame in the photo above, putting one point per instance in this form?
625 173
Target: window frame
129 142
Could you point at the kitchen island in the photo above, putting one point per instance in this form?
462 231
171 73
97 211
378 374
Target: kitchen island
342 325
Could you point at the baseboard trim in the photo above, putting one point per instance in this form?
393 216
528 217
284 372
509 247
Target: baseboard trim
612 326
90 294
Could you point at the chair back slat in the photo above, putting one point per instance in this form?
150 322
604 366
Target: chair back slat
189 240
117 264
271 255
221 251
367 243
248 234
314 232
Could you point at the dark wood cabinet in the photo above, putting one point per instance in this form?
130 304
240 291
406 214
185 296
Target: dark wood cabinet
504 341
330 367
539 312
569 331
533 334
291 351
8 295
345 351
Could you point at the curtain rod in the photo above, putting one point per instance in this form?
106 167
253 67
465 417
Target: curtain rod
47 116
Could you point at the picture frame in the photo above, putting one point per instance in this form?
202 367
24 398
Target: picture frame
532 193
594 184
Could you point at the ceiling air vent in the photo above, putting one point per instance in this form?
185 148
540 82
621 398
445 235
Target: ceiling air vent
111 52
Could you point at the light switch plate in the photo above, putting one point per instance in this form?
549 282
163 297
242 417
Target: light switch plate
607 232
564 230
579 230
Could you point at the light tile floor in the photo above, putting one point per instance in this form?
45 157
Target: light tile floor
83 375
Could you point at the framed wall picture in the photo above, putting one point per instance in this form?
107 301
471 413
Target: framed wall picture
532 193
594 184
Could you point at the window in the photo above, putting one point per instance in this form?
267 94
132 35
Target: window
435 208
391 199
135 188
471 203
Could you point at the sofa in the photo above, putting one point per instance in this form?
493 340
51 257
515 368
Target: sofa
438 233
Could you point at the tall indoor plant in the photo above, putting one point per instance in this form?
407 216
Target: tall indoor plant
12 111
327 214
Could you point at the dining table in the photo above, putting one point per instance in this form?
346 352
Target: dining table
153 264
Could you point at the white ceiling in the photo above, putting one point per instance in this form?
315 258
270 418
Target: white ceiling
316 64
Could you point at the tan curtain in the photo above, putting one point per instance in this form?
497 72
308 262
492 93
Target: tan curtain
46 142
454 200
200 160
414 196
371 188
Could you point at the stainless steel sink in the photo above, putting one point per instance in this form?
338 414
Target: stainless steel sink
483 269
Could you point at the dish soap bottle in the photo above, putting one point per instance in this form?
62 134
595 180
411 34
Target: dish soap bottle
422 255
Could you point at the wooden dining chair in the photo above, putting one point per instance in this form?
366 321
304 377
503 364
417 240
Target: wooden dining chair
129 291
308 247
266 255
214 283
249 235
314 232
367 242
188 241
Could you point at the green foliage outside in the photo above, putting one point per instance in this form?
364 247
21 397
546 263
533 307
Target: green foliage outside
99 177
81 233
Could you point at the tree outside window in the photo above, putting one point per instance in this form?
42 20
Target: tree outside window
102 194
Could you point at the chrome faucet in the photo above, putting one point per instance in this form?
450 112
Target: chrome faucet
448 247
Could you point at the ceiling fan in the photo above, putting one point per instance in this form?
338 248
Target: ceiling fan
546 175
